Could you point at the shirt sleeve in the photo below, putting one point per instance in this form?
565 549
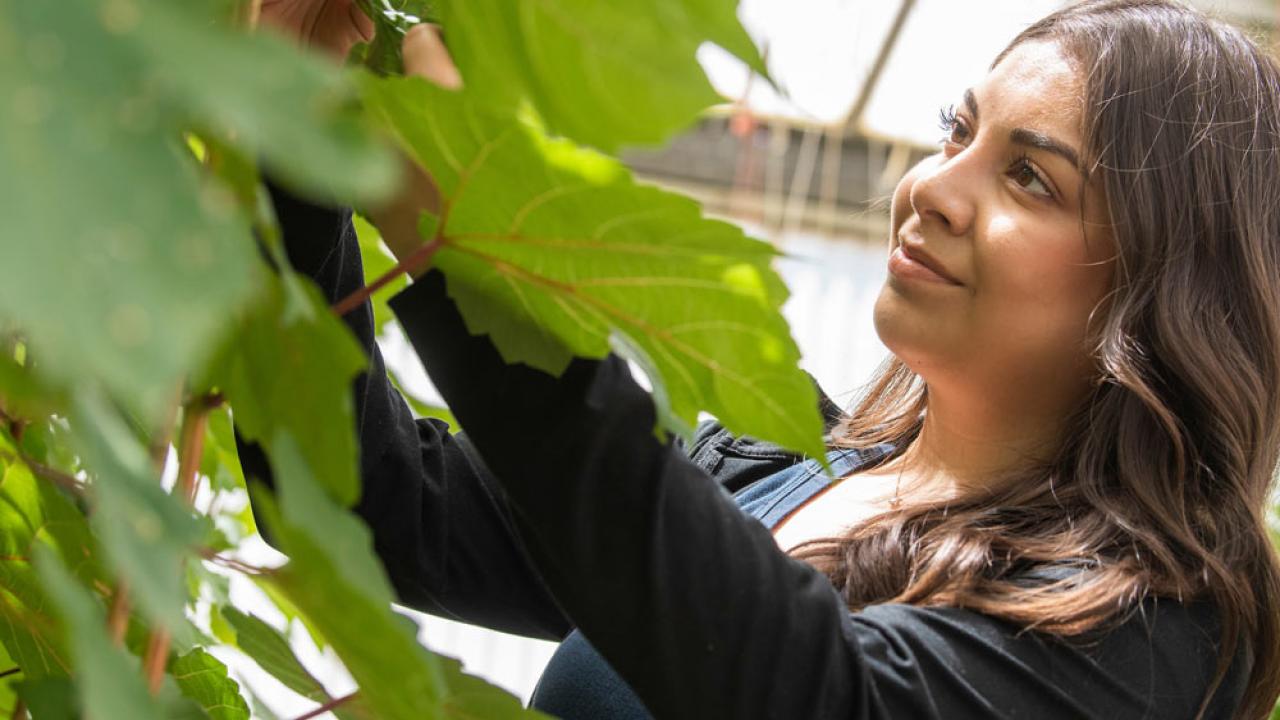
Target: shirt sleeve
441 524
692 602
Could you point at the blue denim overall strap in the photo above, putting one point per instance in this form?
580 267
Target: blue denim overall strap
773 498
579 683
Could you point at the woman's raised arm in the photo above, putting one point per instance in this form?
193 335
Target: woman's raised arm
440 524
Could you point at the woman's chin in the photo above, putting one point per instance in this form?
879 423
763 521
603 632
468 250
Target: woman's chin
913 336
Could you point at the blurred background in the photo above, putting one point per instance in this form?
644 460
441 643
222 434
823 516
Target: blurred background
810 169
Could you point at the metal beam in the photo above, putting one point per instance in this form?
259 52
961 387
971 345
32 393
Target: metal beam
854 116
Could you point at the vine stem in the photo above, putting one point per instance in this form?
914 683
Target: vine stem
214 557
253 13
16 424
57 477
191 448
157 653
164 436
190 451
20 710
332 704
417 260
157 657
118 616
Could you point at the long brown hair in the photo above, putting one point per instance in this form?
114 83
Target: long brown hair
1161 483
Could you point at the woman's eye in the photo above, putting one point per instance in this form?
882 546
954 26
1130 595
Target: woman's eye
1027 178
956 131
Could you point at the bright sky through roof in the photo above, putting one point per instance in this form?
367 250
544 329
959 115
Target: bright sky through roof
821 51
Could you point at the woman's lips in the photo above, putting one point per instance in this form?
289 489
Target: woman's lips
903 265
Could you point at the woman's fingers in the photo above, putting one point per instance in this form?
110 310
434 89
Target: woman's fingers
426 56
332 26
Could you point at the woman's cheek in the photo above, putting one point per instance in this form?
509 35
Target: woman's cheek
1038 298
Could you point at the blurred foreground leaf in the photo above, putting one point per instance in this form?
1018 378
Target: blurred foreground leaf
107 678
335 579
145 532
271 651
288 371
122 264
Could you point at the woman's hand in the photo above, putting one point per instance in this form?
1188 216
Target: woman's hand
331 26
334 26
425 56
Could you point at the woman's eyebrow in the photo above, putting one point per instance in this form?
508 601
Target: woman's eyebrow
971 102
1040 141
1030 138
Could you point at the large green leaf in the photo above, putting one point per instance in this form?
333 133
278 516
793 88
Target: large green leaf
289 368
602 73
203 678
145 532
334 577
555 251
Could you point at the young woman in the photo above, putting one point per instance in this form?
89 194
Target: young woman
1051 499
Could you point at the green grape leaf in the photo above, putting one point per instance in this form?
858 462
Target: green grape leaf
107 677
602 73
290 367
8 697
48 442
292 614
470 697
270 649
336 580
551 250
23 395
145 532
203 678
221 460
33 512
377 261
219 627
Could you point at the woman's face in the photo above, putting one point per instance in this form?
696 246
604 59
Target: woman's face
998 211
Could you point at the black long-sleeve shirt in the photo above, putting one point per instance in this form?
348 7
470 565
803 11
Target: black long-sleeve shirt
578 517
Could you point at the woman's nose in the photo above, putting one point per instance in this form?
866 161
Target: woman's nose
944 192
